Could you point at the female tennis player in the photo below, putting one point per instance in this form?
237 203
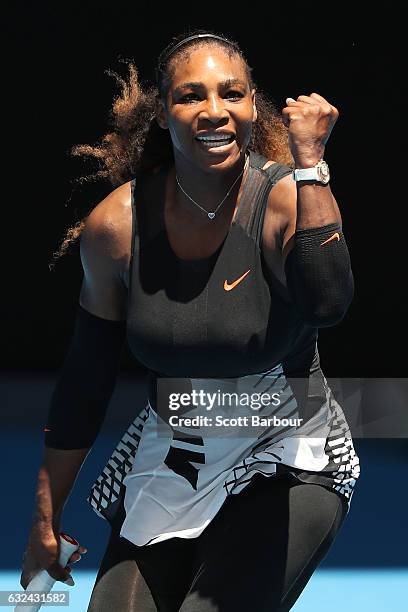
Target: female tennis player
218 256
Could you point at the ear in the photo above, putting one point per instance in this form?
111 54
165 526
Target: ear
253 95
161 115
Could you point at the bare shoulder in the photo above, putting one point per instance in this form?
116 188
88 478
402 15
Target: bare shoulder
108 224
280 213
281 209
105 251
106 238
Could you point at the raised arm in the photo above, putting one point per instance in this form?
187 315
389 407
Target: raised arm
315 257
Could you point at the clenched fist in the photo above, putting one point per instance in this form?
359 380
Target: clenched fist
310 120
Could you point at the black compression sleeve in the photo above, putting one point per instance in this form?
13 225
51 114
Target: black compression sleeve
86 382
319 276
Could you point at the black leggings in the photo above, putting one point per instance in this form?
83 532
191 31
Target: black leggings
258 553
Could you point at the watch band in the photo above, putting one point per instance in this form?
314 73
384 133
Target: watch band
306 174
320 173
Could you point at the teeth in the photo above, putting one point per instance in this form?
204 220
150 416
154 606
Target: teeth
213 138
211 144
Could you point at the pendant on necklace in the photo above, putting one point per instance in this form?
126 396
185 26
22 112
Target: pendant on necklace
211 215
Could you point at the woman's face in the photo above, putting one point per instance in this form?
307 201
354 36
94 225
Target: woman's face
209 97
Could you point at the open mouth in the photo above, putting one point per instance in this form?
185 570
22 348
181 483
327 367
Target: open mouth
211 142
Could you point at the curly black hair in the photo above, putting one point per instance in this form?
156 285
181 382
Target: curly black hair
136 143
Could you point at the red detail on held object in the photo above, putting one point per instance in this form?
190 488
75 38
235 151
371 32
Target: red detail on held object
46 429
68 538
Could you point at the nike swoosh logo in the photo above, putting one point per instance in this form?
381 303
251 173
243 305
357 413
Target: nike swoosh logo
336 235
228 286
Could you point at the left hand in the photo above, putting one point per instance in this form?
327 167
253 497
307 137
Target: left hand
310 120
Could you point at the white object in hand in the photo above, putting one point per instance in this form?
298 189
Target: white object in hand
43 581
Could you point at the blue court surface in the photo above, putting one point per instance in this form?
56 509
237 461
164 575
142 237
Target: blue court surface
366 568
335 590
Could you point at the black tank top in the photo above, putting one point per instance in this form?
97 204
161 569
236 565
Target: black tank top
182 322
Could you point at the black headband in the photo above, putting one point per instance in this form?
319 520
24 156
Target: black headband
174 48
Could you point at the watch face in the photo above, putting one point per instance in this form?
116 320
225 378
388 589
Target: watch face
323 171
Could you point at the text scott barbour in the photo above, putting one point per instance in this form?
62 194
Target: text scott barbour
241 421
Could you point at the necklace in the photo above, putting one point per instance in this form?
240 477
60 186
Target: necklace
211 215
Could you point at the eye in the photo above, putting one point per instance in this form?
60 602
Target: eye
235 94
186 98
229 94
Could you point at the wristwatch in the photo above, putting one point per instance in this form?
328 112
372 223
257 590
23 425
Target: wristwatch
320 173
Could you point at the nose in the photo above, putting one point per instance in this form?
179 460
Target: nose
215 109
